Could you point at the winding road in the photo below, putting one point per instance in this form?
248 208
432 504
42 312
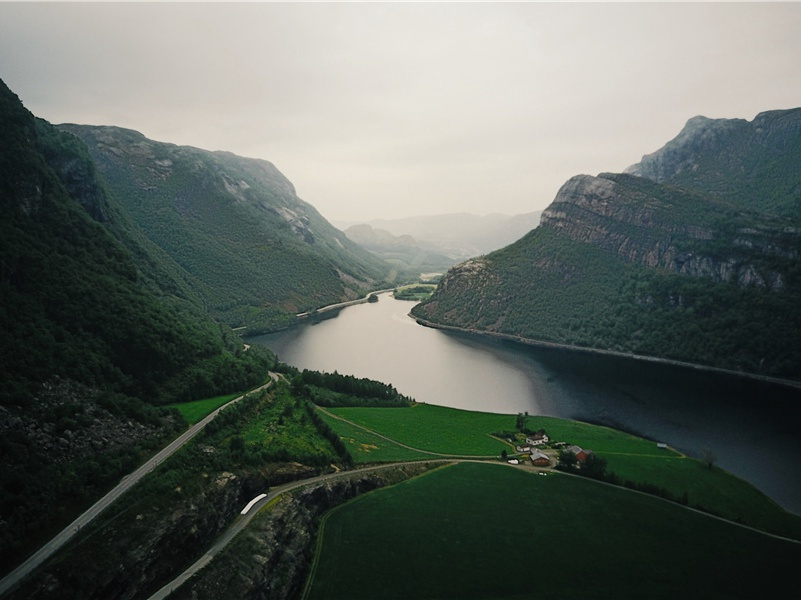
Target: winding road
241 521
127 482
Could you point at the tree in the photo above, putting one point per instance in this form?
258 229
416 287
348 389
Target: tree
594 466
567 460
504 454
237 444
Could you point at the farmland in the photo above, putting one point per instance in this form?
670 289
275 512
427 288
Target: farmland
461 432
449 431
497 531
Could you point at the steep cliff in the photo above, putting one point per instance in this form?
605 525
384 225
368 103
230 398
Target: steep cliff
683 265
670 228
272 558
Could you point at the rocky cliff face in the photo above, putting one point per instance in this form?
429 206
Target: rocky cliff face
665 227
685 153
271 559
167 541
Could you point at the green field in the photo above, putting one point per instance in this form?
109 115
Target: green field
492 531
461 432
195 411
433 428
458 432
367 447
415 292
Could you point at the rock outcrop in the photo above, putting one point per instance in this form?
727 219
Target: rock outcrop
655 225
168 540
272 557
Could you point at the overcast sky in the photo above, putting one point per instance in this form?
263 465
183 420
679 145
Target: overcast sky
385 110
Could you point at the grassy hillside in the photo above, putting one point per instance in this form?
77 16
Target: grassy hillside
76 304
247 245
488 531
553 288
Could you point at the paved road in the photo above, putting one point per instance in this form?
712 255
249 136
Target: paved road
323 309
36 559
241 522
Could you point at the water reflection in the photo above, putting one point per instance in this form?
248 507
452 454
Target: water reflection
751 426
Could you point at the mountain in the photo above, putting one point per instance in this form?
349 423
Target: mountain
671 259
84 297
96 329
403 251
254 252
752 165
459 235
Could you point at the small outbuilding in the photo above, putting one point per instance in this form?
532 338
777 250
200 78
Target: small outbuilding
539 459
580 454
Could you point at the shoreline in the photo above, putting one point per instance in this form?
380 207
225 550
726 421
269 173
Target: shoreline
615 353
337 305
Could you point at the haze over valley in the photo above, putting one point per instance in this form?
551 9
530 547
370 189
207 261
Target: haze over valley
257 260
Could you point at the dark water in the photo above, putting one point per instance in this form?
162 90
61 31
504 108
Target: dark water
752 427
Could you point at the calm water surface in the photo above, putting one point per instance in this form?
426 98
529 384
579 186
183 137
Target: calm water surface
752 427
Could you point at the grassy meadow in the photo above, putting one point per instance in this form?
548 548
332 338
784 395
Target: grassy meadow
465 433
432 428
493 531
450 431
196 410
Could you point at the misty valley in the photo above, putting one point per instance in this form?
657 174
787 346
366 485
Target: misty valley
211 391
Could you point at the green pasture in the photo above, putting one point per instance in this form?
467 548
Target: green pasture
416 292
712 489
284 425
367 447
196 410
433 428
459 432
493 531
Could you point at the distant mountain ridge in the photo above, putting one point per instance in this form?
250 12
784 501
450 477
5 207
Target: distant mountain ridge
692 254
457 235
403 251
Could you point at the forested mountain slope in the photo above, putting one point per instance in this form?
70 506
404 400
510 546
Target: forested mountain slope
695 272
83 299
96 327
748 164
249 247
